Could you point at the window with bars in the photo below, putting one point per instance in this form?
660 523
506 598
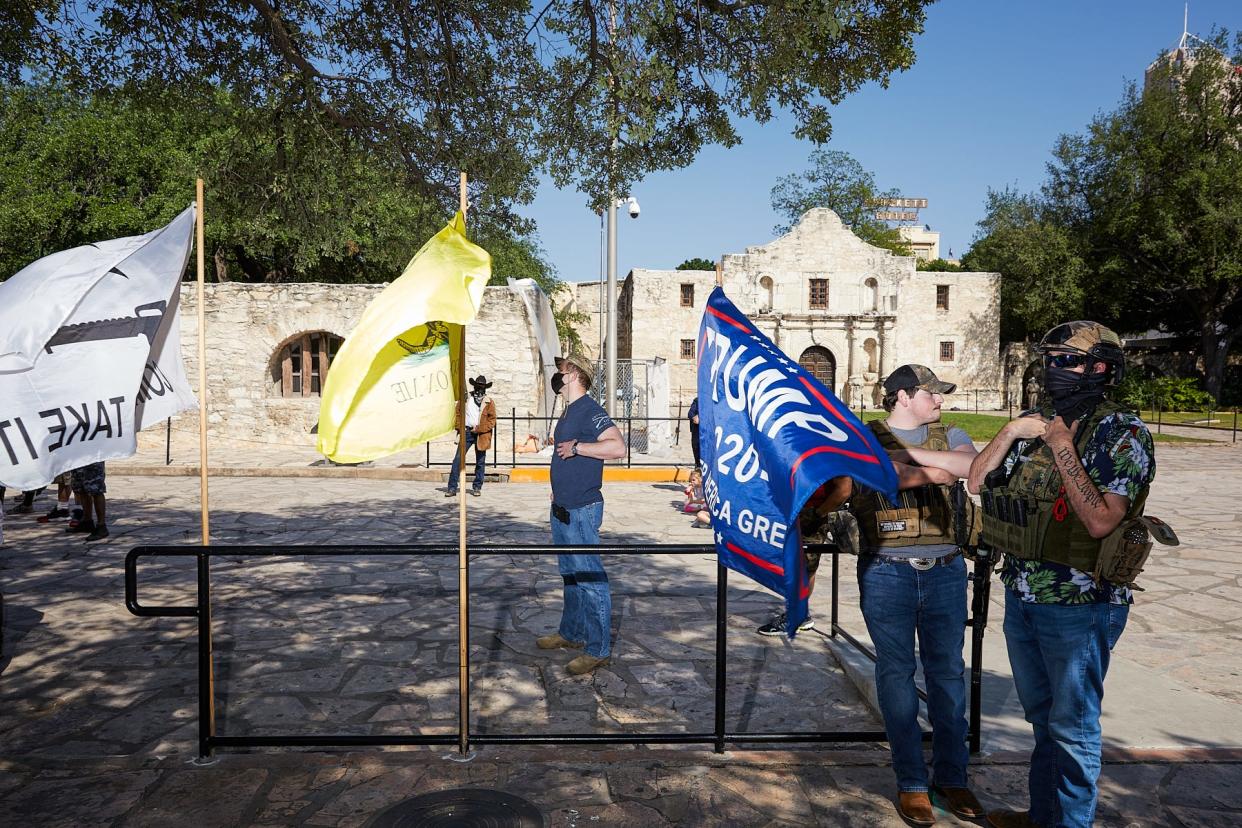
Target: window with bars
946 352
819 294
302 365
942 297
687 349
687 296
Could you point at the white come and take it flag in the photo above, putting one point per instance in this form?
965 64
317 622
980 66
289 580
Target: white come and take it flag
90 352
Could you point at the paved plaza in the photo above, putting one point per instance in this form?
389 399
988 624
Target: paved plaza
98 708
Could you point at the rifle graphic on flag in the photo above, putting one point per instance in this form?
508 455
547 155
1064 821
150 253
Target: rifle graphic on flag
772 435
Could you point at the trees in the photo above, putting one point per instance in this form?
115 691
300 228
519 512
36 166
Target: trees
1042 274
596 93
837 181
697 264
287 199
1153 191
1139 223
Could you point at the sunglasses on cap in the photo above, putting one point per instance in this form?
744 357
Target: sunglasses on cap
1065 360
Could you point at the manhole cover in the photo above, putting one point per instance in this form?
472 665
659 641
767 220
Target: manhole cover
461 808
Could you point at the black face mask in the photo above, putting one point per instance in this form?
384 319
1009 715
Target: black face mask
558 382
1073 395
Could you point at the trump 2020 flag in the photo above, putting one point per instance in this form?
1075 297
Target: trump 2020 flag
90 352
393 384
772 434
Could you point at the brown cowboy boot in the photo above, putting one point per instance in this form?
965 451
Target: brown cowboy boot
554 641
959 801
915 808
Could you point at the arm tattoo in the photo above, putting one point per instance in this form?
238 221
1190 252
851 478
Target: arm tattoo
1075 475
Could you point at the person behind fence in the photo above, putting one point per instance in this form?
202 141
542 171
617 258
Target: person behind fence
480 424
1063 489
585 437
912 582
693 417
90 488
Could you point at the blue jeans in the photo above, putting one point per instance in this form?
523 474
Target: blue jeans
587 615
1059 654
898 602
480 463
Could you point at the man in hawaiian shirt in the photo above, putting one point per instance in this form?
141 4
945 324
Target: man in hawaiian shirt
1055 483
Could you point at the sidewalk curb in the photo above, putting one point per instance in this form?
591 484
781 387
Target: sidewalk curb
519 474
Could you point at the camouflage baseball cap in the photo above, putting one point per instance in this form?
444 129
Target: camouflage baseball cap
1082 337
916 376
582 363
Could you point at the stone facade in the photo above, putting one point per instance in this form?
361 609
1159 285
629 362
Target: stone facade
249 324
880 313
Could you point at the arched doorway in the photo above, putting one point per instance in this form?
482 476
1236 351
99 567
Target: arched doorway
821 364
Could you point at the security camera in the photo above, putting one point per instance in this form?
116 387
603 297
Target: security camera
634 208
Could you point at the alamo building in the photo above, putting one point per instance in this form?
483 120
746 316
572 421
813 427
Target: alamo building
849 312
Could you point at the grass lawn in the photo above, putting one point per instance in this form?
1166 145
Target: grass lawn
983 427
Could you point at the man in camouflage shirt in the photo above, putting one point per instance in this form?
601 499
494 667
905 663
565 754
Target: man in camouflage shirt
1055 483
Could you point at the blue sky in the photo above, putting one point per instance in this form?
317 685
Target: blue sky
995 82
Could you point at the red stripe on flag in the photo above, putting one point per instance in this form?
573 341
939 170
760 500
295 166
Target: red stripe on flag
866 458
756 560
728 319
824 402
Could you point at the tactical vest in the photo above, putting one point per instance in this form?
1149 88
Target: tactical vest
923 516
1030 516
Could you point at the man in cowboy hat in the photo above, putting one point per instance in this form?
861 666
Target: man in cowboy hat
585 437
480 423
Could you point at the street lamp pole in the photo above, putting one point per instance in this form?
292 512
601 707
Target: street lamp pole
610 375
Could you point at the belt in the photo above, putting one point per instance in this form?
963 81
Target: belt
923 563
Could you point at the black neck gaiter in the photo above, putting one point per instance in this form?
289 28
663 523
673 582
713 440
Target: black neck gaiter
1074 395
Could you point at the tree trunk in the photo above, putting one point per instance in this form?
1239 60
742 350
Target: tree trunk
222 265
1215 340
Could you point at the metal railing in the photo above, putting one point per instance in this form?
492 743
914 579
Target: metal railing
201 610
977 621
513 430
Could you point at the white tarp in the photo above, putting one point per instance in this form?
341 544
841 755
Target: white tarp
543 323
90 352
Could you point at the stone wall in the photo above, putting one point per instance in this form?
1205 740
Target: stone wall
249 324
881 312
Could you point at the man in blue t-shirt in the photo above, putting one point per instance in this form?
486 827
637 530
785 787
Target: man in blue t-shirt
585 437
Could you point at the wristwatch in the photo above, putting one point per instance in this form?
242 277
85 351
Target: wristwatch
574 449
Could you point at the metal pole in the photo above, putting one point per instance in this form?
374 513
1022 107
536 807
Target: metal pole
722 650
836 562
463 560
168 442
206 678
1235 424
629 439
610 377
202 368
513 448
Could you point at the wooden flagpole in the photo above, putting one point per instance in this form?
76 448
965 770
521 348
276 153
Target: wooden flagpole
463 562
202 367
720 272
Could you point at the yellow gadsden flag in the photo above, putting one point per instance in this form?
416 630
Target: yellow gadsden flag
393 384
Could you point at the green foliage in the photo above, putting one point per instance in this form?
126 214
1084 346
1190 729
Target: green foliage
697 264
938 266
498 89
837 181
285 199
1153 193
1165 393
1042 273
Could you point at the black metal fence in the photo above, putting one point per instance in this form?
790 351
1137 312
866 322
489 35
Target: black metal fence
668 438
201 610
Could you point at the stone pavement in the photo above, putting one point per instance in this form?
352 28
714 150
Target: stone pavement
97 707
